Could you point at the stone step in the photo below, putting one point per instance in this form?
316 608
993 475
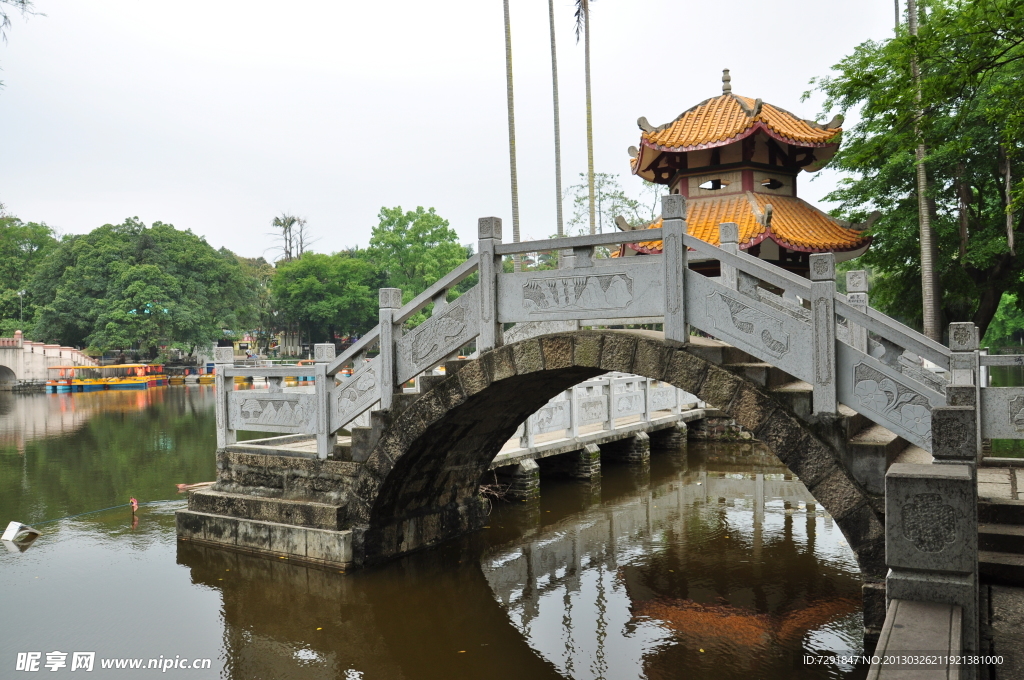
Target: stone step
875 439
425 383
401 401
761 373
796 395
1001 568
1003 538
301 513
1001 512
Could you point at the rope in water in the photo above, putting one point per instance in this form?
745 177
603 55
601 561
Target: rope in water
112 507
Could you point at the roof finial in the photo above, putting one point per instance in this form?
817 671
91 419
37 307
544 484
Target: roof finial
726 80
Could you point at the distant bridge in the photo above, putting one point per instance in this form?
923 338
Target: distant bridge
834 388
26 362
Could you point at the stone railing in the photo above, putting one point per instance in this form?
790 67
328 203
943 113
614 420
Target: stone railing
849 352
602 401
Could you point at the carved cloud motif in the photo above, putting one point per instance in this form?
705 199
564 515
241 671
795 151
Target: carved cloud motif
438 332
893 401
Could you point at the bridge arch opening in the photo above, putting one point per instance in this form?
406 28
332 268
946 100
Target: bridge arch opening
8 379
419 486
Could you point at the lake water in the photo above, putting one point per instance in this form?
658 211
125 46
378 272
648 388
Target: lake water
711 563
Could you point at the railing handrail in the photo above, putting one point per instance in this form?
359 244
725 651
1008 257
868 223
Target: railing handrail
453 278
887 326
365 342
588 241
745 262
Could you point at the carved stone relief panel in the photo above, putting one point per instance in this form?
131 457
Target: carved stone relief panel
355 395
663 397
929 523
892 401
260 411
438 336
593 409
734 315
552 417
617 290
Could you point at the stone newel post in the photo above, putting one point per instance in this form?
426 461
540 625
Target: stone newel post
673 213
728 238
323 353
931 540
823 324
857 295
489 231
223 358
390 300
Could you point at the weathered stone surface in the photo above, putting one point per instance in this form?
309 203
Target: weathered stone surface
450 392
473 378
528 357
838 493
254 535
288 539
931 518
587 349
954 433
866 535
557 350
719 387
750 407
651 358
685 371
617 352
501 363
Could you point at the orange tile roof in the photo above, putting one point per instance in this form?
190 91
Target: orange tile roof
722 120
795 224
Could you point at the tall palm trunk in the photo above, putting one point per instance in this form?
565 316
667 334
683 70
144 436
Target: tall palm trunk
930 293
590 118
511 136
558 136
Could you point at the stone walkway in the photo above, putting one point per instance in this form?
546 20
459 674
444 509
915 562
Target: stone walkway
1002 483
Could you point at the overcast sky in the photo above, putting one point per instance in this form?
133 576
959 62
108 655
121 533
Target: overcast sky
216 116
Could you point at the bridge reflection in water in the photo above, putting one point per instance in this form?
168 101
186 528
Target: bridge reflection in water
732 559
721 550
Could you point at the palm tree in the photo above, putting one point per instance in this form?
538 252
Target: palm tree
583 23
930 294
558 144
510 98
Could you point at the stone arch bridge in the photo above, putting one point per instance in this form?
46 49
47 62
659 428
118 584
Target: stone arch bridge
23 362
836 389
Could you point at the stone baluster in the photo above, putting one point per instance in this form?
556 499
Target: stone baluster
489 230
440 302
956 435
574 413
645 386
526 438
390 301
223 385
673 213
857 295
323 354
728 238
931 541
609 391
823 335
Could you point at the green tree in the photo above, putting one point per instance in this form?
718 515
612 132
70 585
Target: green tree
328 293
23 245
413 249
265 313
129 285
971 65
612 201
